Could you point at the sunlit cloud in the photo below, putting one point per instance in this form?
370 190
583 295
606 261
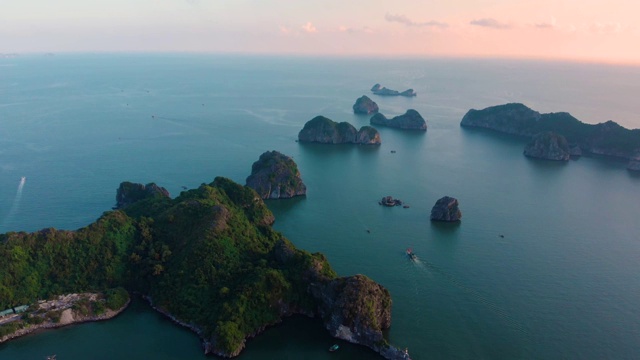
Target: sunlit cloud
309 28
490 23
285 30
408 22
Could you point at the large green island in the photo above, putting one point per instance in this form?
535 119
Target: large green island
209 259
608 138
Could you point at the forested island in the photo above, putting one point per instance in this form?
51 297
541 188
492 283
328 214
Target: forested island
323 130
606 138
209 259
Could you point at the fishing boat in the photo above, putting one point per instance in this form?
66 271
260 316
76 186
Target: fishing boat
334 347
411 254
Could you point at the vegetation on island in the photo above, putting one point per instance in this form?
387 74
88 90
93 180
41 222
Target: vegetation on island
276 176
209 258
606 138
324 130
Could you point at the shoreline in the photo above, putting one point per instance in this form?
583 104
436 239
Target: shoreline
68 316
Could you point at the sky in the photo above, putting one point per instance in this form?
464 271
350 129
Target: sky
583 30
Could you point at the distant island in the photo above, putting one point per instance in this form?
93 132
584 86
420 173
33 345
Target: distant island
326 131
208 259
383 91
410 120
606 138
364 105
276 176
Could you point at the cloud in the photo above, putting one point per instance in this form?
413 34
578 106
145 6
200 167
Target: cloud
350 30
309 28
408 22
552 24
285 30
490 23
606 28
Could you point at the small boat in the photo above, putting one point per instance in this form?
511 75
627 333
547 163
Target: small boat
334 347
411 254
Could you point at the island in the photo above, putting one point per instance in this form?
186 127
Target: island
389 201
208 259
378 89
410 120
608 138
364 105
446 209
326 131
276 176
549 146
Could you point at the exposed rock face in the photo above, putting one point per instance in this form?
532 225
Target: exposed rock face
549 146
446 209
276 176
324 130
368 135
383 91
356 309
607 138
411 120
129 192
364 105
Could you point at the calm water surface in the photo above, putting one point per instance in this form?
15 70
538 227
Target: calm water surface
562 283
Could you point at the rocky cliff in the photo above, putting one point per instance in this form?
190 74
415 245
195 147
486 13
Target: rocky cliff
276 176
364 105
326 131
446 209
357 309
411 120
606 138
548 146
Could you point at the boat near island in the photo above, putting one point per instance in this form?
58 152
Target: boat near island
334 347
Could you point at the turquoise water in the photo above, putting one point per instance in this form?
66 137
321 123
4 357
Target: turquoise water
562 283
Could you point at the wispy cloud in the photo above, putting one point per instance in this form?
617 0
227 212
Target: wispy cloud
351 30
309 28
606 28
546 25
285 30
490 23
408 22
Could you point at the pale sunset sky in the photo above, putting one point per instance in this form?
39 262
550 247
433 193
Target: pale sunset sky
585 30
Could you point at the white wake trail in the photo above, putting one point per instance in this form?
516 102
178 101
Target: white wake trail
16 203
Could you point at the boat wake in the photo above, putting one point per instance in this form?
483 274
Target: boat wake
15 205
473 294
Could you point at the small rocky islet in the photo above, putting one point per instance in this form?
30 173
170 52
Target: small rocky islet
276 176
446 209
378 89
365 106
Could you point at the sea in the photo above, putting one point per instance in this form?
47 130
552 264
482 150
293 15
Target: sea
543 265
